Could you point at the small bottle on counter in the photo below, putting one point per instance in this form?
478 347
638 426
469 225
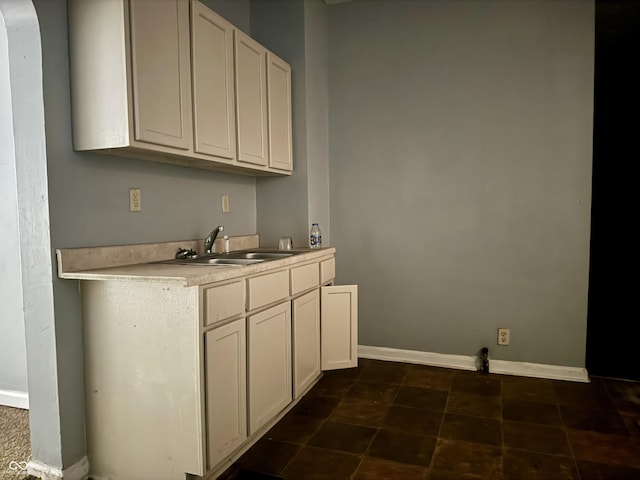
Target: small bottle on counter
226 243
315 236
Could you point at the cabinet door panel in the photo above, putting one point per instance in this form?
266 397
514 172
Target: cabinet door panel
251 100
269 364
279 109
306 341
160 64
225 353
213 85
339 327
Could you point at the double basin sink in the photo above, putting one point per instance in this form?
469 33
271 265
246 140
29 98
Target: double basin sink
239 258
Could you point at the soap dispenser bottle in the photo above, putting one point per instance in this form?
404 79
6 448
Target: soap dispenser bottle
315 236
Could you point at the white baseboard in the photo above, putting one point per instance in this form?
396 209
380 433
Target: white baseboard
77 471
463 362
539 370
460 362
11 398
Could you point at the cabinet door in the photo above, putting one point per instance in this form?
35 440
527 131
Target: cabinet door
226 407
279 112
251 99
213 86
269 364
161 72
339 327
306 341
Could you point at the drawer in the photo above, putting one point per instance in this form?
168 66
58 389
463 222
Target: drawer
267 289
303 278
223 301
327 270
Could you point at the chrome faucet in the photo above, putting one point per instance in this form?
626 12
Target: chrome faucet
208 242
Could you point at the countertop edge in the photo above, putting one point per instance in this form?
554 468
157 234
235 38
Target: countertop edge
190 275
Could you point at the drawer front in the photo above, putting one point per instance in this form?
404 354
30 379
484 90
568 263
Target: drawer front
223 301
327 270
303 278
267 289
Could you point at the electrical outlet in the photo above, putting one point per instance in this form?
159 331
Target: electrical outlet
225 203
135 200
504 336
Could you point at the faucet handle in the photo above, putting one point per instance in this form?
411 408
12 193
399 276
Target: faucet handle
186 253
211 238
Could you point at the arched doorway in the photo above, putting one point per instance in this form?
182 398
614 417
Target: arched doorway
23 123
13 349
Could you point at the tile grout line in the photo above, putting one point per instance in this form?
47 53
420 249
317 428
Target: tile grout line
565 429
444 412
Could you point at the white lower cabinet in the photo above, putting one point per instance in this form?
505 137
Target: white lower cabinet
339 332
183 379
226 389
269 357
306 341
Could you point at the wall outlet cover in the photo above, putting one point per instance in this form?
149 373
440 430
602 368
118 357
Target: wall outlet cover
504 336
135 200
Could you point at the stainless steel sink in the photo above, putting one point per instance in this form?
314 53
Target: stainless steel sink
257 255
238 258
221 261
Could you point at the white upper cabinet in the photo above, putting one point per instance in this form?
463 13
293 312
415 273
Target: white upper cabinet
251 99
160 72
130 78
213 83
263 105
166 81
279 109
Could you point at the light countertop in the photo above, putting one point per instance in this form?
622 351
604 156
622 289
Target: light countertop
122 263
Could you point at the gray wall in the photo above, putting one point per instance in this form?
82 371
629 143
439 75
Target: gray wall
13 350
459 138
89 207
460 145
236 12
317 79
282 202
297 31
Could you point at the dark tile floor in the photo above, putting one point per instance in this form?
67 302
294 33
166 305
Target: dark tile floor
396 421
